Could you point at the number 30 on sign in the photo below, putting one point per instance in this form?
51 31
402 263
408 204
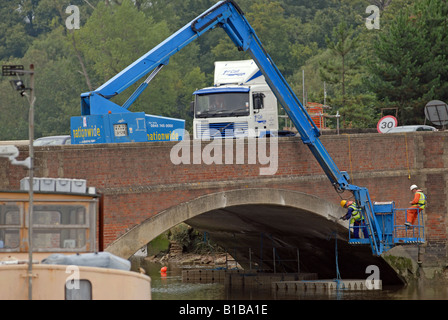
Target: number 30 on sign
386 123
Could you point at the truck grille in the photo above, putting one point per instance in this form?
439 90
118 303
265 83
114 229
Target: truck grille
222 130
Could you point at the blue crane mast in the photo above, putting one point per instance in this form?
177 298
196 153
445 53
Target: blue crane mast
227 15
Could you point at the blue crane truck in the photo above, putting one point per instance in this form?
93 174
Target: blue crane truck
384 222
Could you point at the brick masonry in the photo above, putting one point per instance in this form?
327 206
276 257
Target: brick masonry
139 180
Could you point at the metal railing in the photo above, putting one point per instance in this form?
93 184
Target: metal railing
414 233
282 259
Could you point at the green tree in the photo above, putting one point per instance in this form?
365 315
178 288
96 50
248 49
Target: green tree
343 71
410 66
14 113
115 36
341 47
57 83
14 40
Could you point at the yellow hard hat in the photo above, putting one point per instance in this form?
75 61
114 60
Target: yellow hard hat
343 202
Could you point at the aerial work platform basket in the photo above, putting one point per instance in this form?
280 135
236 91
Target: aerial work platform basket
390 222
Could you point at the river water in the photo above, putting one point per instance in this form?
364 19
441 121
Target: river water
171 287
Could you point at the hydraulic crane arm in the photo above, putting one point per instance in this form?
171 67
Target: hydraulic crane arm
228 16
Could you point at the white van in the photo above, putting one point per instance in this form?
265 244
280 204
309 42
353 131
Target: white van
411 129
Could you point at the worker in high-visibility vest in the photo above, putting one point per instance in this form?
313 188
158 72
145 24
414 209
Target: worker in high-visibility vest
356 218
418 204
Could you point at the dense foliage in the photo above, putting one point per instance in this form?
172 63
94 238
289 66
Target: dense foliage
403 64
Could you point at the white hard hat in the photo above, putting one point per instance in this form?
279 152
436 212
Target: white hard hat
413 187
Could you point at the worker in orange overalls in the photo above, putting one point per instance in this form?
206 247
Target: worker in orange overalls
418 204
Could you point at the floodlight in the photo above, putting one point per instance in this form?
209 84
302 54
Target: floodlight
18 85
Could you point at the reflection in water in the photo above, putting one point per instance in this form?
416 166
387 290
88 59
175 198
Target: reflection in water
174 289
169 286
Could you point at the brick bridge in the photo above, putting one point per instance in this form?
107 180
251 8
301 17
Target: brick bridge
145 194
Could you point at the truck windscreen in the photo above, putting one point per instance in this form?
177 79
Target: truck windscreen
229 104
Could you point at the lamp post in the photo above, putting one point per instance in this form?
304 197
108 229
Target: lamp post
19 85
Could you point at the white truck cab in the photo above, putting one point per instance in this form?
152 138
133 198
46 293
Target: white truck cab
240 104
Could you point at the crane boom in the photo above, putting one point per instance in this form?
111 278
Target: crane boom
228 16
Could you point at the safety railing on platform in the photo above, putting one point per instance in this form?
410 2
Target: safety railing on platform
413 233
357 235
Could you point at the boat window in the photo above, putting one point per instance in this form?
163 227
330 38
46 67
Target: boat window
9 226
59 226
78 290
59 215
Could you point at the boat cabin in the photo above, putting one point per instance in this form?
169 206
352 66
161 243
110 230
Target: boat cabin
61 222
66 263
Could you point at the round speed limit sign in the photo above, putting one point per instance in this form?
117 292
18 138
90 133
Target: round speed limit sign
386 123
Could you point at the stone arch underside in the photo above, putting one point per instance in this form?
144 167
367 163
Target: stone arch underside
250 222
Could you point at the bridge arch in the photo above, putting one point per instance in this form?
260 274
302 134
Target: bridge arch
291 218
138 236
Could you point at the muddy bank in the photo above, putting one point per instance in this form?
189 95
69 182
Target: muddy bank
194 259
